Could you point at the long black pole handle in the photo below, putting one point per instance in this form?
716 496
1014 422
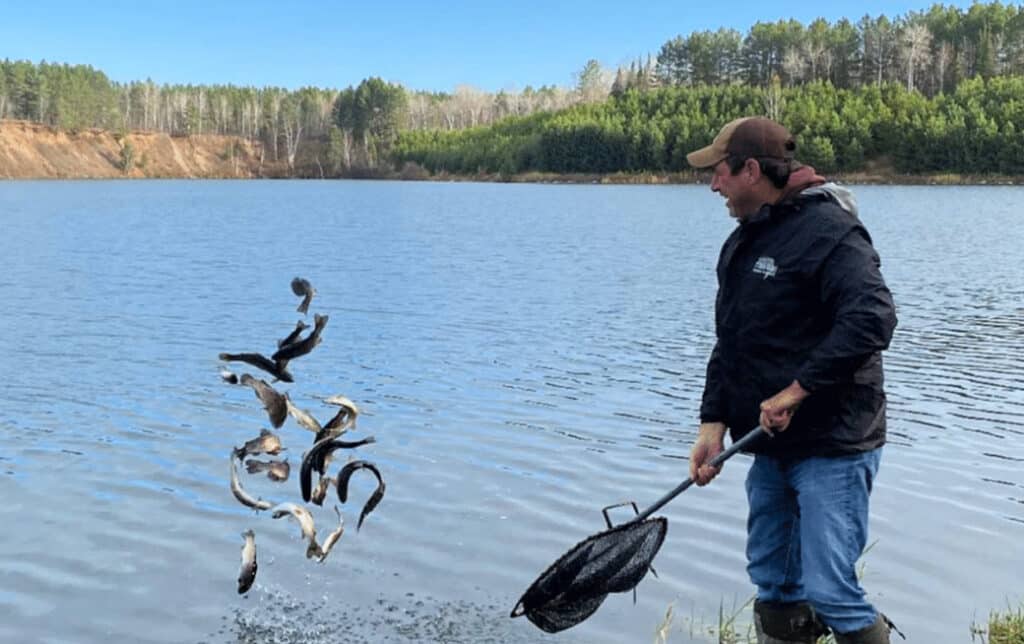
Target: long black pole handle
749 438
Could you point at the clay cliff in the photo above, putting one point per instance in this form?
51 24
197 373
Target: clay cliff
33 151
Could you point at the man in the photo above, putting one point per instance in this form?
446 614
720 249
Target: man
801 318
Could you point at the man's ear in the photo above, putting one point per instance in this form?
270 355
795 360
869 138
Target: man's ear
753 170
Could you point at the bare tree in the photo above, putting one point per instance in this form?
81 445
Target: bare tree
326 106
420 111
151 105
180 103
200 108
276 97
816 49
812 54
916 42
793 64
879 42
126 108
257 118
943 57
469 103
773 100
291 122
514 101
593 82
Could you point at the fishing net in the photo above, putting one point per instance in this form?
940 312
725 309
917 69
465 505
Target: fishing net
572 588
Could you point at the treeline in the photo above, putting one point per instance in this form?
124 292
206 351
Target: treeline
76 97
932 51
978 128
776 68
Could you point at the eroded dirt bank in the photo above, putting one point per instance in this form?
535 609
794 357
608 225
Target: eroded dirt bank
33 151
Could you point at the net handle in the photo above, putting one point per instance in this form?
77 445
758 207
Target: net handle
748 439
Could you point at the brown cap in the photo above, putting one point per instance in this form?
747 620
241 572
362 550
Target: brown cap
748 137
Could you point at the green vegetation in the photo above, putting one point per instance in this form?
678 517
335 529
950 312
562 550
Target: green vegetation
939 91
371 114
931 51
935 91
1003 628
734 627
127 160
975 129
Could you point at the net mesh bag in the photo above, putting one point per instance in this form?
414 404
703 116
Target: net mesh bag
573 587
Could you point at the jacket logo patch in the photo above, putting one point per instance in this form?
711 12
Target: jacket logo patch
766 266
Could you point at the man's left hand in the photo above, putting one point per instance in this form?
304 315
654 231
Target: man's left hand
777 411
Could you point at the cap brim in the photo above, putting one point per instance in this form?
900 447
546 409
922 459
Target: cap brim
704 158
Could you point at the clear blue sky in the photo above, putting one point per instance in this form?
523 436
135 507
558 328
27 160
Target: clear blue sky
422 44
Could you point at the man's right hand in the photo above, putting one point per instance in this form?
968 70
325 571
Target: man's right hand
709 444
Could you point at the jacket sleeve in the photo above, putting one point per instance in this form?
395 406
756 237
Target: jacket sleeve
713 404
863 313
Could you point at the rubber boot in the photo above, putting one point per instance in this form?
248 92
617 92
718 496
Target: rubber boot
786 623
877 633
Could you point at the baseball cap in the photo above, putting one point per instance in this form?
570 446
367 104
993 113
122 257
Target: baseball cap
748 137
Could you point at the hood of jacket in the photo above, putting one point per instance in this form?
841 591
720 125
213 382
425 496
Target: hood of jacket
836 193
805 183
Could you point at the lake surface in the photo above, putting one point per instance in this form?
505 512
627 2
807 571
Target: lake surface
524 355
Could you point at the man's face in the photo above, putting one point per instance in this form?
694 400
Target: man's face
740 197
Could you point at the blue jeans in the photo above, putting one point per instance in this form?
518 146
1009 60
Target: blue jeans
807 527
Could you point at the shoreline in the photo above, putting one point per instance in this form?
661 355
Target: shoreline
541 178
31 151
694 178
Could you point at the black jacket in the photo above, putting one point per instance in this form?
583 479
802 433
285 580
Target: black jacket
801 297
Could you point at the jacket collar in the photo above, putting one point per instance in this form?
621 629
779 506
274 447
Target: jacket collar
801 179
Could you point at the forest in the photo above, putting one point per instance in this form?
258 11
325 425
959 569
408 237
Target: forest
938 90
976 129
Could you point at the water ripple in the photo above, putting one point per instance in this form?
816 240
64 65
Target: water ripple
525 355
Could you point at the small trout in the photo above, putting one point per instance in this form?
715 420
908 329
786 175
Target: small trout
302 287
247 573
244 497
266 443
277 471
375 498
332 538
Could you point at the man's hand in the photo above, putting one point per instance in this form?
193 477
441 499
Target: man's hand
709 444
777 411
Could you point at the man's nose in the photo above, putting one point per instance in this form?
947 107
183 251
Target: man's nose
714 183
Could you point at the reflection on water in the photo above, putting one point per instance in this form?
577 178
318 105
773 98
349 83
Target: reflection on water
279 616
525 355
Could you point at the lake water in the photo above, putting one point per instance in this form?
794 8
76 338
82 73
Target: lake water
524 355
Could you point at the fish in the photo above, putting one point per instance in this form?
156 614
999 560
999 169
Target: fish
320 492
342 401
305 345
228 377
300 326
247 573
266 443
244 497
300 514
302 417
276 470
305 520
313 549
375 498
302 287
343 421
332 538
276 368
316 459
273 401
